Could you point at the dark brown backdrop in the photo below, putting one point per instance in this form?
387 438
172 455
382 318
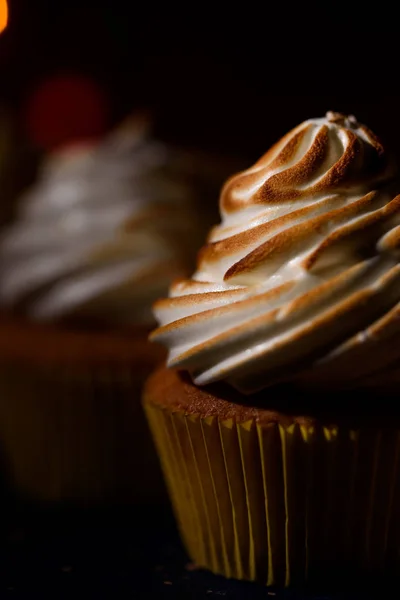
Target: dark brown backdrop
223 79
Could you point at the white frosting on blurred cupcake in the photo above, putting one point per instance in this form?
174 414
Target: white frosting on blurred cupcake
102 233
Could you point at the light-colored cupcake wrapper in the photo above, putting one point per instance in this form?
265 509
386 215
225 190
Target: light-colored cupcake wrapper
281 504
76 434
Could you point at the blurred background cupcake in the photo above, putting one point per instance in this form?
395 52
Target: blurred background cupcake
101 233
106 225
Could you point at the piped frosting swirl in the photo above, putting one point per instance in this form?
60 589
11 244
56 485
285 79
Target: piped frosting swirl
303 269
101 234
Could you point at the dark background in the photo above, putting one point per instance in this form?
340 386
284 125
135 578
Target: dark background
228 77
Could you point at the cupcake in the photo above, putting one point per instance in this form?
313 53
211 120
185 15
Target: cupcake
275 418
104 230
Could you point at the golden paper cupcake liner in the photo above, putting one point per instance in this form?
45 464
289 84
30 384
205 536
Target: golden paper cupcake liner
281 504
76 434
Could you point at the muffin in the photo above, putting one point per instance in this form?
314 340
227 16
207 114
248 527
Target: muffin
103 231
276 420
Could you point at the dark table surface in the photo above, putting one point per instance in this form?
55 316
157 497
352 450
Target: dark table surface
98 556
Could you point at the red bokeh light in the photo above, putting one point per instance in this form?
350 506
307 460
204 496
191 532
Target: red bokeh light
65 109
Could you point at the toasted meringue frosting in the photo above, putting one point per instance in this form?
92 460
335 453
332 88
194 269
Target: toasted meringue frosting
102 233
302 275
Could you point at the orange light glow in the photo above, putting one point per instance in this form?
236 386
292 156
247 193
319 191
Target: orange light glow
3 15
